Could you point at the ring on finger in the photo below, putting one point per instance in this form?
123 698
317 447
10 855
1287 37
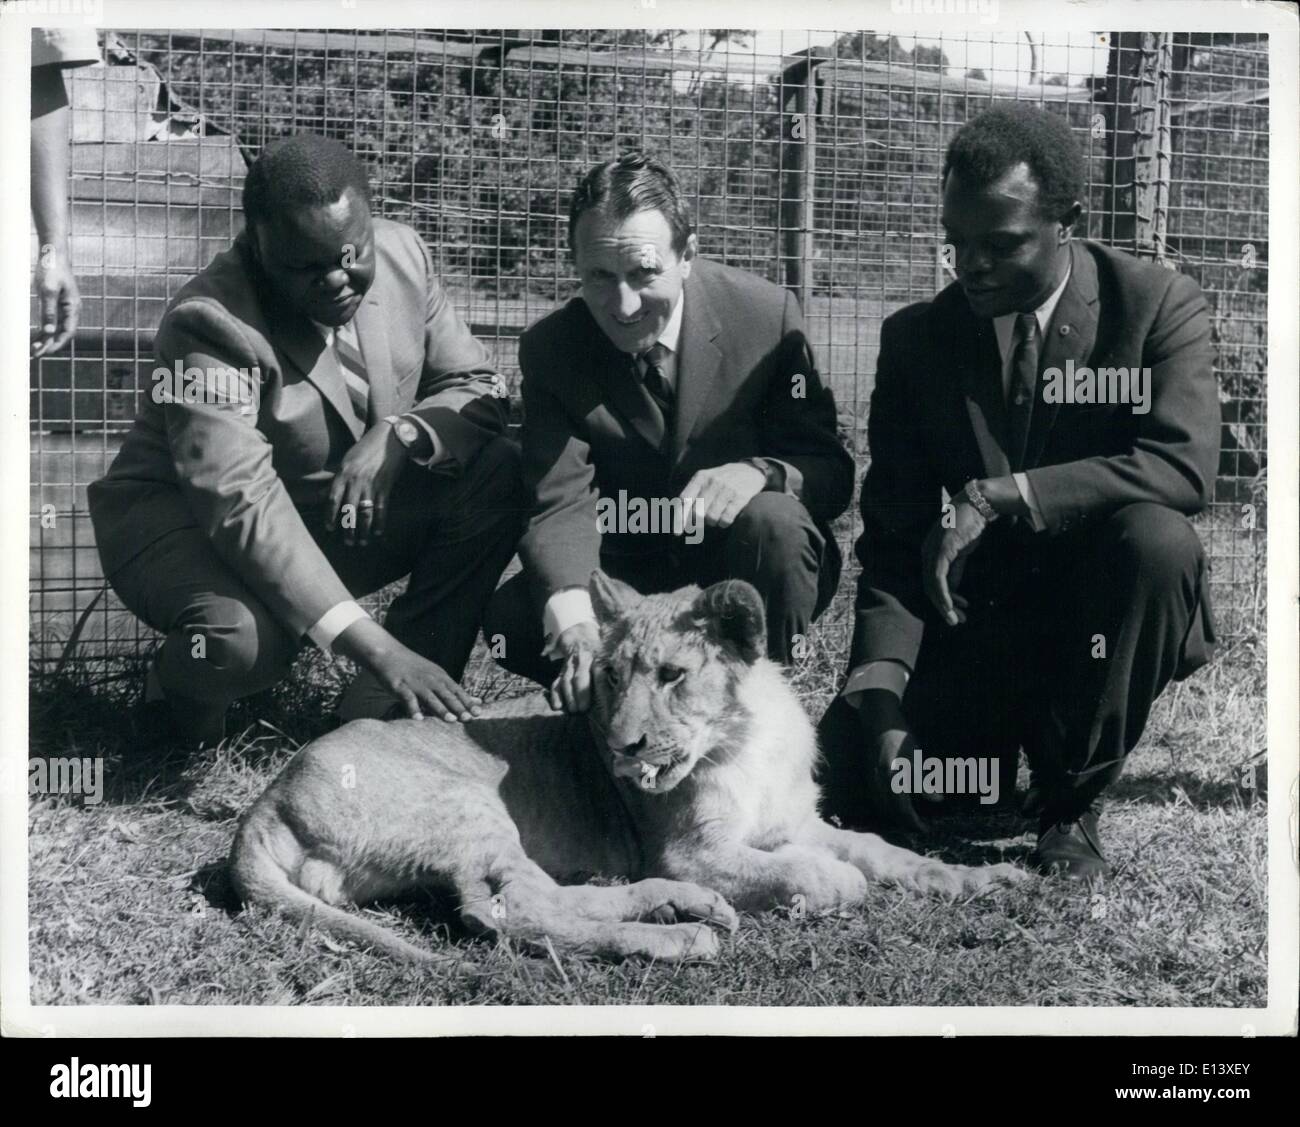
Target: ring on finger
366 504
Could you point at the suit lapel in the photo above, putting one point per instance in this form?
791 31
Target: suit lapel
698 362
980 373
373 338
298 338
1070 335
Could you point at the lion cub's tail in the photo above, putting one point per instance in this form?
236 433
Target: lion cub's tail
259 878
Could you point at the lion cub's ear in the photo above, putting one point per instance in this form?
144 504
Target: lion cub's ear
731 613
610 598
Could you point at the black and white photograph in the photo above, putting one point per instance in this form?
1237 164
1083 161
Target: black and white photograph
675 530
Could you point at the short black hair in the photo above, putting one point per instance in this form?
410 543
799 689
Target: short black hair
988 146
305 170
634 182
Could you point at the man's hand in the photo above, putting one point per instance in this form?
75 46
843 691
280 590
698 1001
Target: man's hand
943 557
59 300
423 687
720 493
575 647
364 481
888 738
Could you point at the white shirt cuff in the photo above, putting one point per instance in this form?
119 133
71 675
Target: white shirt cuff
891 675
564 609
1027 495
333 622
439 451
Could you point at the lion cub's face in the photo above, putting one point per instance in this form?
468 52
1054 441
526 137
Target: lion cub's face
665 684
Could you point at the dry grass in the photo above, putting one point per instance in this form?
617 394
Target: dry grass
130 901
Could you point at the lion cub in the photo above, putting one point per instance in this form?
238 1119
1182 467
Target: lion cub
692 776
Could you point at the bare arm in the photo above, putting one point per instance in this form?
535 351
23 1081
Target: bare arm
56 286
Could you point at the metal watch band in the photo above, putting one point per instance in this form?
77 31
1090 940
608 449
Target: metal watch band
979 502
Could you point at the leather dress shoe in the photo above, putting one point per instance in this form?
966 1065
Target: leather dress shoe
1070 846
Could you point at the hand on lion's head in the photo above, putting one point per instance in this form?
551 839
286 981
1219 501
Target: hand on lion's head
665 685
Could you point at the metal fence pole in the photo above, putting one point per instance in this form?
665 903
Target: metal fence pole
1121 86
1152 145
798 166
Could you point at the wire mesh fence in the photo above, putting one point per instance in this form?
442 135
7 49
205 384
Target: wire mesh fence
811 158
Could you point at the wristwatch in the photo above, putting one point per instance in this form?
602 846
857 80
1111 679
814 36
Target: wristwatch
979 502
408 434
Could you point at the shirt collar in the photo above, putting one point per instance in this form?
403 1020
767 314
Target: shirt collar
1005 325
673 330
328 331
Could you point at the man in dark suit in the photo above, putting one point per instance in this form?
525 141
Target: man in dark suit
675 431
1061 394
321 424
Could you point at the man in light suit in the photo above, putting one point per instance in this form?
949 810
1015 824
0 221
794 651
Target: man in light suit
671 386
1062 395
321 424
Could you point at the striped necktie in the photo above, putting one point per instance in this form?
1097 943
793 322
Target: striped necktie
348 350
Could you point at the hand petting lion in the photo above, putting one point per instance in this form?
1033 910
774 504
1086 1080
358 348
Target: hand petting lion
691 776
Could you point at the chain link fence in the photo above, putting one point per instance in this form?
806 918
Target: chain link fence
812 158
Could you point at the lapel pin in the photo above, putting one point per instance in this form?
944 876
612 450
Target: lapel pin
1064 330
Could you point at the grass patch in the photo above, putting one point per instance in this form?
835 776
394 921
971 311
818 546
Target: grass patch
130 901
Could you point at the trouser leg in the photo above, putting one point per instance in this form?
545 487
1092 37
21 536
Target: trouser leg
512 627
221 642
1116 611
967 700
453 537
471 538
775 545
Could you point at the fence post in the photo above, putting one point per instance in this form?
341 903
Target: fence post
1152 145
1137 194
798 165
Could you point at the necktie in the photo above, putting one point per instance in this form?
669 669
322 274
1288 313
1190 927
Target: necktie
656 377
348 351
1024 386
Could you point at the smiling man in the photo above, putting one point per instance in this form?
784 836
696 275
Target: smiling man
673 385
340 429
1047 603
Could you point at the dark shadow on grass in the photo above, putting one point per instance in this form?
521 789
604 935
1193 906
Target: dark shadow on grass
1204 794
69 718
212 882
960 836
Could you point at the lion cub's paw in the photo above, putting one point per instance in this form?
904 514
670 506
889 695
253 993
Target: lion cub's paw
956 880
670 900
947 880
1005 874
833 884
981 878
690 943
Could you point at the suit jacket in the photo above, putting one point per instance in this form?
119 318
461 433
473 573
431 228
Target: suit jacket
588 429
938 419
241 470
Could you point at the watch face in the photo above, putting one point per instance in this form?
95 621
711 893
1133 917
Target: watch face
406 432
